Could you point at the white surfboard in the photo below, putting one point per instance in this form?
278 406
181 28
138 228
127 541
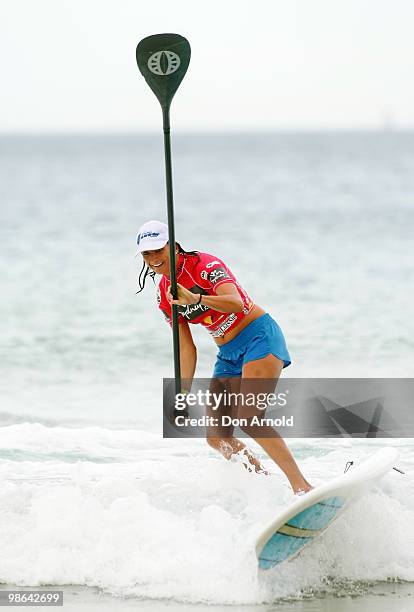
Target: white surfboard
309 515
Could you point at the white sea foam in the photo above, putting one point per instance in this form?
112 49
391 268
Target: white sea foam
157 518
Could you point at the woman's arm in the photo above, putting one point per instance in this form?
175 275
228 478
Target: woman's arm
227 299
188 356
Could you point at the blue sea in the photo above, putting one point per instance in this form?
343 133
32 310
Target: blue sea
318 227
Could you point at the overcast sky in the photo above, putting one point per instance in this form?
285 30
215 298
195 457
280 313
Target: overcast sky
70 64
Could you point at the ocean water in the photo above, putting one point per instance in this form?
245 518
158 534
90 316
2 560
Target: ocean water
318 228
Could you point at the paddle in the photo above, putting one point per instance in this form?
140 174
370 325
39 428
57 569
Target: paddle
163 61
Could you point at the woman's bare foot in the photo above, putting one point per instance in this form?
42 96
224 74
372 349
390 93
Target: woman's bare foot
302 490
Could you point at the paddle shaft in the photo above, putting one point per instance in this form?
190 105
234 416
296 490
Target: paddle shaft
163 60
171 238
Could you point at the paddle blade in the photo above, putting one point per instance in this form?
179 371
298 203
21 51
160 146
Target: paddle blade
163 61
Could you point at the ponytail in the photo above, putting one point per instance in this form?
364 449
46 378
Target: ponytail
145 272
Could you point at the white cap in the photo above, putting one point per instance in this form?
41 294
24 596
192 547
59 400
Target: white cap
151 236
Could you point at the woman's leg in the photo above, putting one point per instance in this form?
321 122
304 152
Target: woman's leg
221 438
267 437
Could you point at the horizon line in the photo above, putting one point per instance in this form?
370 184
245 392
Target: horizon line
198 131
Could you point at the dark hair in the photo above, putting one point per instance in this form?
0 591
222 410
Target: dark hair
190 253
146 270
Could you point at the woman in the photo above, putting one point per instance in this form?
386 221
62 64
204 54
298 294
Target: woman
251 344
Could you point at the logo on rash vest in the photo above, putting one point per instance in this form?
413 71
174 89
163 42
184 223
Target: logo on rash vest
217 274
158 296
220 331
164 62
192 311
203 274
208 320
212 263
248 305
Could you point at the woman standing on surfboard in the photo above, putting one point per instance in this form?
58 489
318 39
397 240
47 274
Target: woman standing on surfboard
251 344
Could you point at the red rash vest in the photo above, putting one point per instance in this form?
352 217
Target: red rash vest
203 273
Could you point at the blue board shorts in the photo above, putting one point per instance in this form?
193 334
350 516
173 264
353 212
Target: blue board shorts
260 338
